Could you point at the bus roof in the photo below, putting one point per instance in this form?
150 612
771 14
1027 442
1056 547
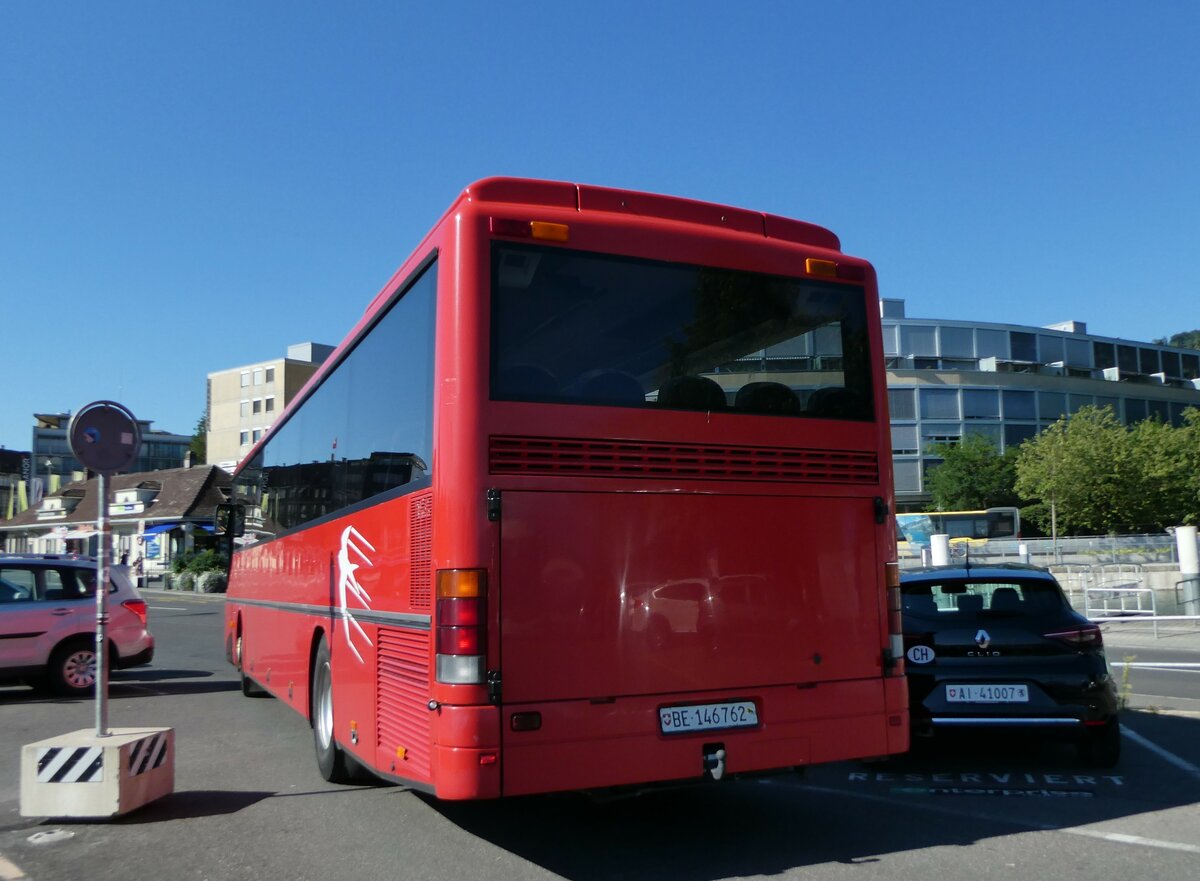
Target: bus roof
585 197
578 197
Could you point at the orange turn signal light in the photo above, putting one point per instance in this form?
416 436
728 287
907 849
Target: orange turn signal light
453 583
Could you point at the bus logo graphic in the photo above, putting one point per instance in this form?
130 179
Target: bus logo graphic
352 555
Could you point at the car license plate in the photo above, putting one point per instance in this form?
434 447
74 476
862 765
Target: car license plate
708 717
987 694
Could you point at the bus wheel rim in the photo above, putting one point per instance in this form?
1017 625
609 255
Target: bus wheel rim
324 714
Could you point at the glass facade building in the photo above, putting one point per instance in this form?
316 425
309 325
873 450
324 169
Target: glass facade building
951 379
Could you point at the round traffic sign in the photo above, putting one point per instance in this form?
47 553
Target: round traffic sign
105 437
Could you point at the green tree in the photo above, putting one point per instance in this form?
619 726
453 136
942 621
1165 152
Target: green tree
973 474
199 445
1163 460
1082 471
1189 339
1188 436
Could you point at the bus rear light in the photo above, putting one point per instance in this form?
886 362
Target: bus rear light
830 269
460 669
460 612
460 636
459 640
550 232
823 268
530 229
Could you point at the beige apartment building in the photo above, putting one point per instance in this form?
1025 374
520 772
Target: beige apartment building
243 402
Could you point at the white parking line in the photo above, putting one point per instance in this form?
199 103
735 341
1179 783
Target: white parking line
1166 755
1122 838
986 816
10 871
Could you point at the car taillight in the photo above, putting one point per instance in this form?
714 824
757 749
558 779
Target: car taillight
461 635
1087 636
891 573
138 607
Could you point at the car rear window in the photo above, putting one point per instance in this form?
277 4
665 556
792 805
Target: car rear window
958 597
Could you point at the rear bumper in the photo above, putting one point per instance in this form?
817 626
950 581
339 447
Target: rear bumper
598 745
1053 708
145 656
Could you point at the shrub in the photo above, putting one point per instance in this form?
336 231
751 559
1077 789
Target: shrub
201 561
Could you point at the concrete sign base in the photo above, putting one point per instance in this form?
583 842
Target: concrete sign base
84 775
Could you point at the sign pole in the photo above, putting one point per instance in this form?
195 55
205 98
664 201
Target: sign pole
103 563
112 772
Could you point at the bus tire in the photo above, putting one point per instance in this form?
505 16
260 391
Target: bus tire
250 688
332 760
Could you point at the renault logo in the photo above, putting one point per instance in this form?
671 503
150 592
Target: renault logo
982 639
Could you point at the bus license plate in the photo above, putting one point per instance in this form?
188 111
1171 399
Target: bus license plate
708 717
987 694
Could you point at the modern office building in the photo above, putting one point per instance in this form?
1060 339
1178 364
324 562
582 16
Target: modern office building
950 379
53 464
14 479
243 402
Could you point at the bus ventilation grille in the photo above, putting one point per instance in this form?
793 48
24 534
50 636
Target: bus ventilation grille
420 537
403 715
601 458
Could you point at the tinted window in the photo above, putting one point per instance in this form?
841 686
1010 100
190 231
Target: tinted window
1024 346
939 403
902 403
958 599
981 404
572 327
367 430
17 585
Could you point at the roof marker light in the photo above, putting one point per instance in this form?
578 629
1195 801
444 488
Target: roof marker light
823 268
550 232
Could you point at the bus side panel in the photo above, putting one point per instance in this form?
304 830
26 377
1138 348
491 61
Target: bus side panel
277 628
382 596
372 571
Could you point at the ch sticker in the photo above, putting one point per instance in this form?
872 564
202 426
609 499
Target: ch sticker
920 654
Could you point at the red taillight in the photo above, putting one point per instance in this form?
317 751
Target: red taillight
1087 636
459 640
461 634
138 607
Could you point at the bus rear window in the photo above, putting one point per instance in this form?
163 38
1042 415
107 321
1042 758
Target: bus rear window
572 327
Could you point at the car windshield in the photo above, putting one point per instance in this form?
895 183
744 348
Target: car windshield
958 598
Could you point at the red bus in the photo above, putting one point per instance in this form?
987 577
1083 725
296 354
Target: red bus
596 494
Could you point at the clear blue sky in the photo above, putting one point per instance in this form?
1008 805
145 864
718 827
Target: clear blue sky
189 187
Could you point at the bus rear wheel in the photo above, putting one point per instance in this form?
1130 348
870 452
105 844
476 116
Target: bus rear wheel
250 688
334 764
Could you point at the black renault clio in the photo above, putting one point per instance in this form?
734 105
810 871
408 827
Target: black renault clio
1000 647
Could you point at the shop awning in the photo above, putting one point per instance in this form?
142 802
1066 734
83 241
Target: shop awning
156 528
77 533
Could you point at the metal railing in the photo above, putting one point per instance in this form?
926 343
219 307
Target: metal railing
1121 602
